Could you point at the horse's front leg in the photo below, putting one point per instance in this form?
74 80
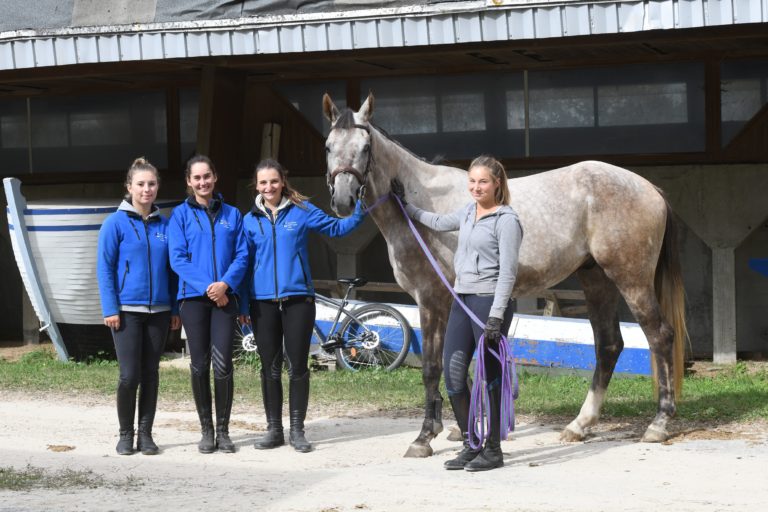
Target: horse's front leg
432 330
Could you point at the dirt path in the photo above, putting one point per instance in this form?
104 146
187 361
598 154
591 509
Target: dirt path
358 465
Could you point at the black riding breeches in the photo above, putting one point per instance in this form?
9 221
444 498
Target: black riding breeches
461 337
139 343
291 319
210 334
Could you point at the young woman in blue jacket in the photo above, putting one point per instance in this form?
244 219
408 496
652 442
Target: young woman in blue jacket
210 255
138 302
282 298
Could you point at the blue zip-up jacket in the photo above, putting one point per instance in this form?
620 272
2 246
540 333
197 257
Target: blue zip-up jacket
278 256
132 262
207 245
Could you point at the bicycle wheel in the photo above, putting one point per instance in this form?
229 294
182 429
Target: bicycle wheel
381 338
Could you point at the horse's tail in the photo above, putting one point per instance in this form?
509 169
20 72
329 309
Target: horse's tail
671 296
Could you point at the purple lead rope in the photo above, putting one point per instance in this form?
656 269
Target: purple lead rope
479 421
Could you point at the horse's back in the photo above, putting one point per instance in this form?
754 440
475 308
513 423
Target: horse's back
588 209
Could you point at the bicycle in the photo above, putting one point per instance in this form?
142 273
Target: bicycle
371 336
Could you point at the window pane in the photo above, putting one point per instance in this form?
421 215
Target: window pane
649 108
641 104
515 110
13 131
100 128
463 112
407 115
307 98
14 151
740 99
743 86
50 130
562 107
98 132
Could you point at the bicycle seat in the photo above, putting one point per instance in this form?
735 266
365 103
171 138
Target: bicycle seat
353 281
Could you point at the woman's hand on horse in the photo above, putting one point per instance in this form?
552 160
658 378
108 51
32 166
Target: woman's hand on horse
398 189
113 322
493 331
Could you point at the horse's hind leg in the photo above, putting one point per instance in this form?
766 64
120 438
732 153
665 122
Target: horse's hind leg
644 305
602 299
432 330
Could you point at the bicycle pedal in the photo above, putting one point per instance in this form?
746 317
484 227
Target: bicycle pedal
332 345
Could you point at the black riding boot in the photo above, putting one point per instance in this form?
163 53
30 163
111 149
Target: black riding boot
491 457
460 404
126 410
297 401
223 388
147 406
201 389
272 395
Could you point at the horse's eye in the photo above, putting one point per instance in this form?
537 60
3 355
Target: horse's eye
327 149
366 148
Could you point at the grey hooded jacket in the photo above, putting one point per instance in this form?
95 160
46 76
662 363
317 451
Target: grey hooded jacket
486 258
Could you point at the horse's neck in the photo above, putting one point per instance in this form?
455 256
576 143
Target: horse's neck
407 167
391 160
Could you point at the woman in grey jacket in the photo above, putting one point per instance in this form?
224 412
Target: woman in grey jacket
486 266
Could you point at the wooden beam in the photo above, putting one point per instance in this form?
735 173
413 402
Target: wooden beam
220 124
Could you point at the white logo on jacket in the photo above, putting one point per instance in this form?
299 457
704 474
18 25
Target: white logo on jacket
290 225
225 224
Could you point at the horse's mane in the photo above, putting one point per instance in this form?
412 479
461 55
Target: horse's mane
346 120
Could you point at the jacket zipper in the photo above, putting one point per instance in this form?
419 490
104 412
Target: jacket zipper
213 247
274 253
149 264
125 274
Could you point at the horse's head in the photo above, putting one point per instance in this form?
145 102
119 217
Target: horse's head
348 154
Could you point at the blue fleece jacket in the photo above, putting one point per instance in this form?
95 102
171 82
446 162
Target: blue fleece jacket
207 245
132 263
277 247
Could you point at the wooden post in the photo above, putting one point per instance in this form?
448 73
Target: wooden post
30 325
220 124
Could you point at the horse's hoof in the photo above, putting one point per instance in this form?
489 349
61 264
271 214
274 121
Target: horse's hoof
419 451
654 435
454 434
569 436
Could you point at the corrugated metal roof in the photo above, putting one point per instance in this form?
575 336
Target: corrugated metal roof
455 23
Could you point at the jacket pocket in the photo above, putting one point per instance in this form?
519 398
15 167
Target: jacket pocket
303 272
125 274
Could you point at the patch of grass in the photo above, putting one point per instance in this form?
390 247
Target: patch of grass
31 477
734 393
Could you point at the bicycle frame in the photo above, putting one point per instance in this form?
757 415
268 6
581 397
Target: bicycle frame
340 306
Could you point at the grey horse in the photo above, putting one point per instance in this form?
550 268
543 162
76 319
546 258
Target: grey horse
611 227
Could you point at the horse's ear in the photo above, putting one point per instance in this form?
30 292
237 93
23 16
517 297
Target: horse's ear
366 111
329 109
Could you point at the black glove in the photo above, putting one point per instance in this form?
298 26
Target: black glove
493 331
398 189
